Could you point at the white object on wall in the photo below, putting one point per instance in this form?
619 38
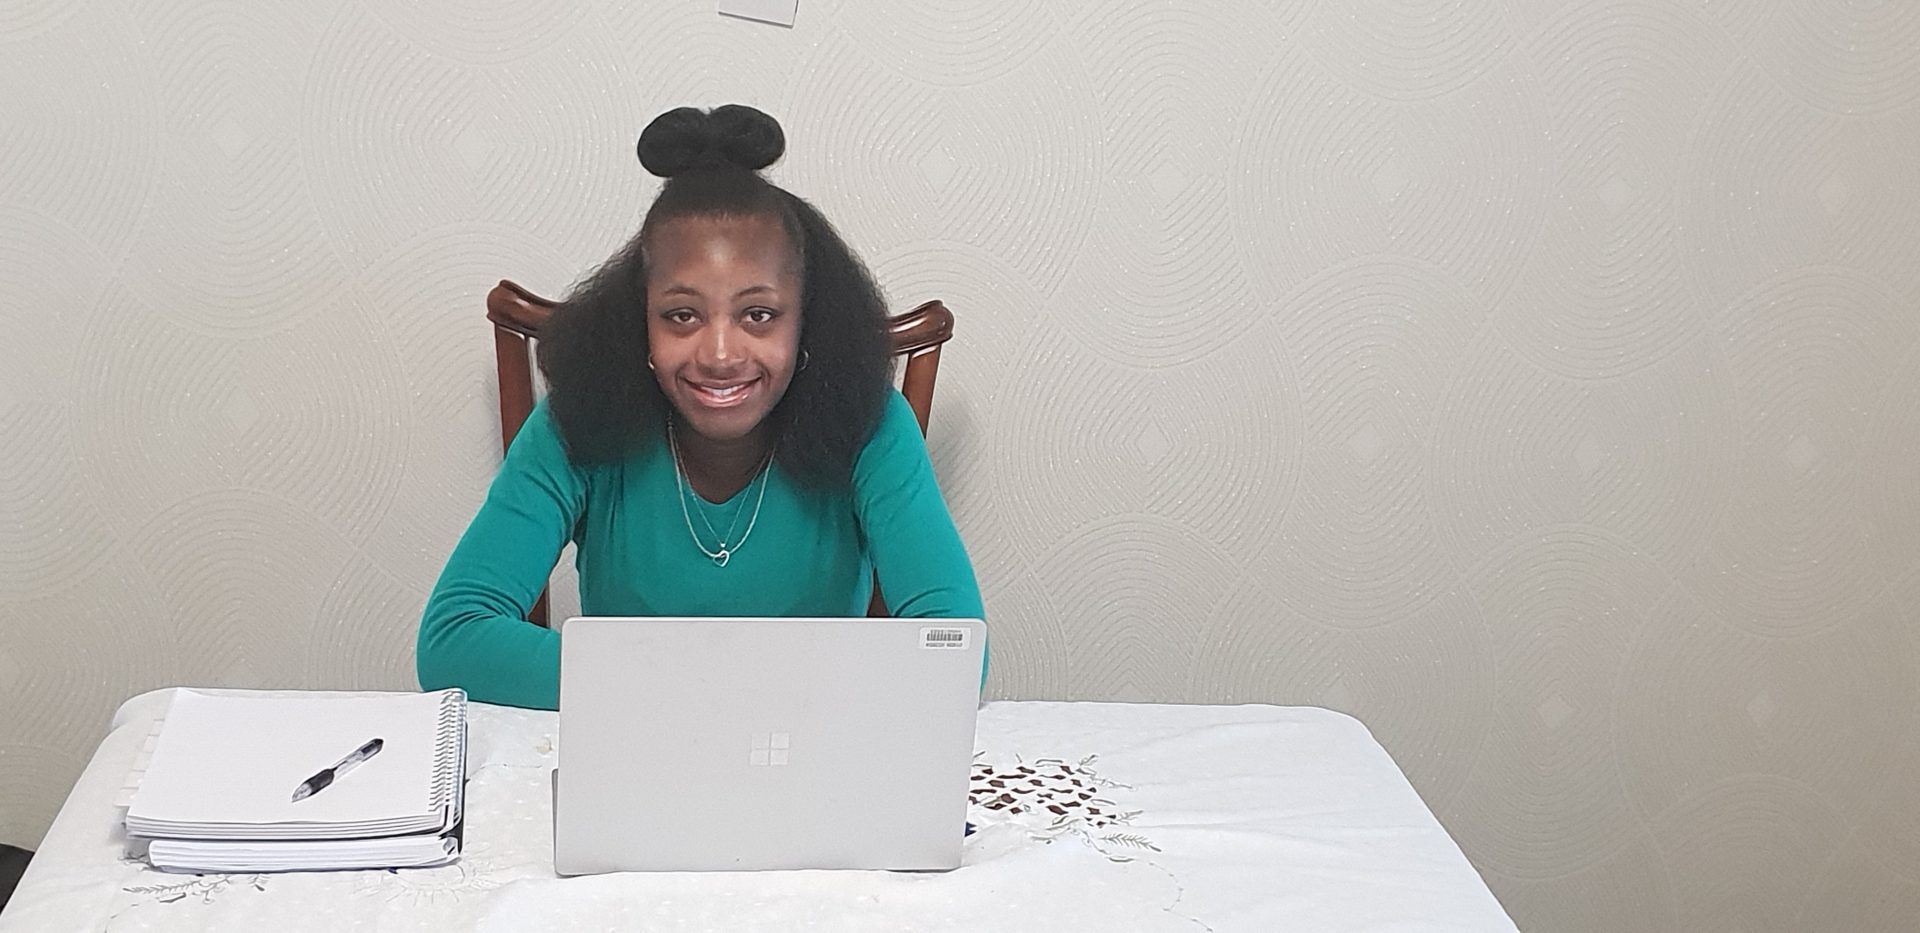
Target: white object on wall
777 12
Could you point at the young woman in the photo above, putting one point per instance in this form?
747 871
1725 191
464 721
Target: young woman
721 435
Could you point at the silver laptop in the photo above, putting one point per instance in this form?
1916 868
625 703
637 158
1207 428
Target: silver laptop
744 744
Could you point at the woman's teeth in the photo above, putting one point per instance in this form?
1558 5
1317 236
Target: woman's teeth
722 395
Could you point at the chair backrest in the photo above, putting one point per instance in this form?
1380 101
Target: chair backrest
518 315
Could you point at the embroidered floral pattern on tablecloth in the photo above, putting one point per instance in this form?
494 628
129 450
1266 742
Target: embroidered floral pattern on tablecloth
473 872
1061 798
203 887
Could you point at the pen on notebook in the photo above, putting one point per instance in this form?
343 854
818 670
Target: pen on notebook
326 776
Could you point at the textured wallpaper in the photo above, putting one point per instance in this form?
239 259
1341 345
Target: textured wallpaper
1538 381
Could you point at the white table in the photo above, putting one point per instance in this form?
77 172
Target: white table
1199 818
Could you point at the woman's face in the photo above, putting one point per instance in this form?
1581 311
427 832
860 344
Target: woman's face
723 320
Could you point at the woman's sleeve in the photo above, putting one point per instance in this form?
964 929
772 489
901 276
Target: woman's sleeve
474 633
923 568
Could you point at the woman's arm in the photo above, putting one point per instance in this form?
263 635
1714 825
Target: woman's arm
923 567
474 633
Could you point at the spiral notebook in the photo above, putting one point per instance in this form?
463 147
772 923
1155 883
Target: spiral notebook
217 794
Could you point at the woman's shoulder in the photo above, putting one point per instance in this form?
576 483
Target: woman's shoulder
541 432
897 414
897 422
540 446
896 438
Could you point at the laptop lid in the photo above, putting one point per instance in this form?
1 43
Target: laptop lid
743 744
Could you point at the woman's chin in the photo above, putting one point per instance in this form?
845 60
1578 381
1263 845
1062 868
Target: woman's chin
723 425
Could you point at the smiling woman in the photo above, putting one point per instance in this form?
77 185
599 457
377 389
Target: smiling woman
721 436
723 356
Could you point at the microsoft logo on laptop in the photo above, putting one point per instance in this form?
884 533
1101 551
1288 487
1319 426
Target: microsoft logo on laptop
769 749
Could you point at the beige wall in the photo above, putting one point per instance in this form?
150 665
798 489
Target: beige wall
1539 381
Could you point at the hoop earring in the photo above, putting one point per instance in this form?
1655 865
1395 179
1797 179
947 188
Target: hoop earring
805 358
649 362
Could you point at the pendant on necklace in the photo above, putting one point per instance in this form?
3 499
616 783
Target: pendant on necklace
720 559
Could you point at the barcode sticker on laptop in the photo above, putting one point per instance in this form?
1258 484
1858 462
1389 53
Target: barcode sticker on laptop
943 638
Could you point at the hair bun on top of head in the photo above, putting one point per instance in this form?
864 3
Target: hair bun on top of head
734 135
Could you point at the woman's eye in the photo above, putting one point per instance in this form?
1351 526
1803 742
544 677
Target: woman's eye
679 316
761 315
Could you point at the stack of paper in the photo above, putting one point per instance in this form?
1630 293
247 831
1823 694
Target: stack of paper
218 794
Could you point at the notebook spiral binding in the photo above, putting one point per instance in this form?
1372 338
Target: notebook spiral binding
449 743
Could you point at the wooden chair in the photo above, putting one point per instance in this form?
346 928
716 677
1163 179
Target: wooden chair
518 315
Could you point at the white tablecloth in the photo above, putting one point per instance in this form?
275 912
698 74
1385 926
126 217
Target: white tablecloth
1183 818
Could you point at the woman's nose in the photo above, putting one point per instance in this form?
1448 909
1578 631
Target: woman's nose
721 344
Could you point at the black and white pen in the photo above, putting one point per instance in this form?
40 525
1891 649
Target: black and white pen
326 776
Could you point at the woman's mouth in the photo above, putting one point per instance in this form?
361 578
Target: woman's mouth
722 395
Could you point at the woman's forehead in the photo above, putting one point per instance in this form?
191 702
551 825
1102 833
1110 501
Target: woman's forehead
705 239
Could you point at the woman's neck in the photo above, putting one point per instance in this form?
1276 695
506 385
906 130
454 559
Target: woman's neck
717 469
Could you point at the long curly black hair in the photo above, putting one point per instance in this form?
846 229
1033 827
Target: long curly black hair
593 352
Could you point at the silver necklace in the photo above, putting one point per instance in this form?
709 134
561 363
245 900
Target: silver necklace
700 507
726 551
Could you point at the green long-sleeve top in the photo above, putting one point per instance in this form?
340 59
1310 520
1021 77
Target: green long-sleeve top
810 554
